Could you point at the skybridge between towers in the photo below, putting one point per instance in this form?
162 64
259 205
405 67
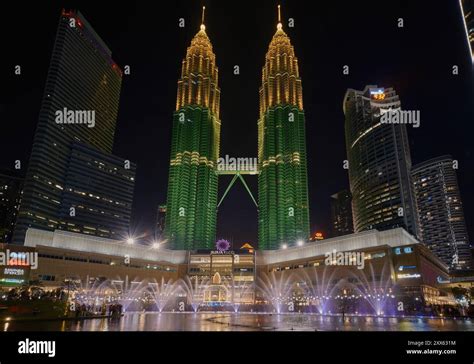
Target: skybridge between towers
238 174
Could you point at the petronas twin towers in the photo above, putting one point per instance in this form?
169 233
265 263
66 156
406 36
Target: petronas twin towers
283 211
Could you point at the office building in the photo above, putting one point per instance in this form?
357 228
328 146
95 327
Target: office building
379 161
11 185
467 11
341 213
191 208
76 124
283 211
441 213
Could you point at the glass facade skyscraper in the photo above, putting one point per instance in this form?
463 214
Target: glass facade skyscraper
441 213
379 162
11 184
101 191
467 11
191 208
160 220
341 213
71 169
283 211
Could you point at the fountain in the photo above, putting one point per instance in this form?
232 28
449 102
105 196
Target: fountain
376 291
241 293
162 292
318 287
363 291
129 294
194 291
277 290
90 295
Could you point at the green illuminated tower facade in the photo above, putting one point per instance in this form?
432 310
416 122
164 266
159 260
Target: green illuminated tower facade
283 216
192 186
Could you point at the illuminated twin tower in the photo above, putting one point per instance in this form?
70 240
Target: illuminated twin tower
283 214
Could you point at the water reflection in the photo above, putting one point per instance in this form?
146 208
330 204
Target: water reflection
148 321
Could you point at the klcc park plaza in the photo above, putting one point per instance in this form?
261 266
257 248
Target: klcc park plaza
396 257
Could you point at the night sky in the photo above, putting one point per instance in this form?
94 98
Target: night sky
416 60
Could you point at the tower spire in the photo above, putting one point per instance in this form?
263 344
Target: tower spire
193 181
279 25
203 27
282 167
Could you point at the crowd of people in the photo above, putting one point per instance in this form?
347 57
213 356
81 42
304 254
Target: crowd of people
113 310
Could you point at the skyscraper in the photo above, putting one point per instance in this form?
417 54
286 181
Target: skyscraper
10 195
160 220
379 162
341 213
467 11
440 209
78 116
192 185
100 190
283 212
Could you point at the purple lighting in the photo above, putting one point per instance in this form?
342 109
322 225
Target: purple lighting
222 245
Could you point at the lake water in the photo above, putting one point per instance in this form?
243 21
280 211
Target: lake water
207 321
